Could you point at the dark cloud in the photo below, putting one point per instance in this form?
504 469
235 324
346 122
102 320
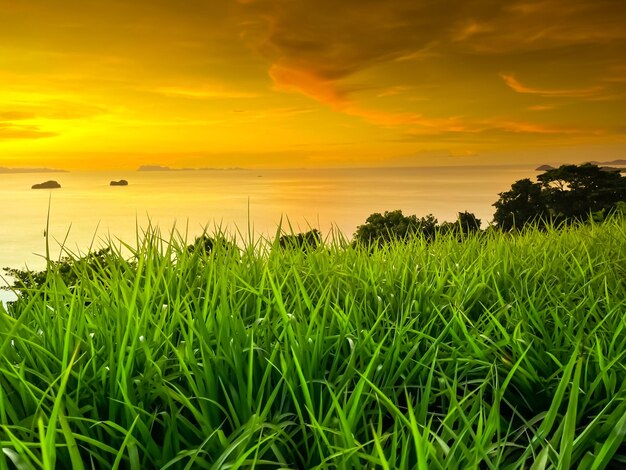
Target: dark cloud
336 39
321 48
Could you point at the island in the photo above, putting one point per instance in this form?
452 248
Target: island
119 183
167 168
611 162
47 185
154 168
4 169
613 169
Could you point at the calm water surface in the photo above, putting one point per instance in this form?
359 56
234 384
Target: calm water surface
87 208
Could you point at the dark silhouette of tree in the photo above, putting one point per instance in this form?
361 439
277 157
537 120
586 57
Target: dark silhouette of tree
522 204
304 241
468 222
382 228
465 224
205 245
573 192
561 195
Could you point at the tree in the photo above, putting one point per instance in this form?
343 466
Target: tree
69 269
304 241
205 245
465 224
561 195
522 204
573 192
382 228
468 222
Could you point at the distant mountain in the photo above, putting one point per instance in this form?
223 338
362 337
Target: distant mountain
167 168
606 166
30 170
154 168
612 162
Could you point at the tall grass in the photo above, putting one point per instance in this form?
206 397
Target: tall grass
502 351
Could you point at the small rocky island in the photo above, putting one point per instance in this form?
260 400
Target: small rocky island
47 185
119 183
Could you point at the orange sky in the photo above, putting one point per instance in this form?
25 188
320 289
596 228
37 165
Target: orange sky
91 84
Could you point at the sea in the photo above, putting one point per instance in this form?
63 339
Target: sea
87 212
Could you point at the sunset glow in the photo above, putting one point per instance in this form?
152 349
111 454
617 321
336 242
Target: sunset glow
310 83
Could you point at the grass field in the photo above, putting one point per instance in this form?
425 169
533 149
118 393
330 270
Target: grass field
502 351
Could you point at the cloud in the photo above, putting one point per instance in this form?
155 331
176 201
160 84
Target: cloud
535 25
28 120
322 49
518 87
11 131
16 115
29 106
203 92
337 39
463 153
332 94
333 40
541 107
393 91
310 84
520 127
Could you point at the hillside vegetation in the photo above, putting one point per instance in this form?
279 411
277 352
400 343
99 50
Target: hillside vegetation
497 351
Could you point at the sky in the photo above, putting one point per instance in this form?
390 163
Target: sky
98 84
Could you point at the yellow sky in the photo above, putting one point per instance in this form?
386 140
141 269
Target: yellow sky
90 84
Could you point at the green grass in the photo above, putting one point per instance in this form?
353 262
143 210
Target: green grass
503 351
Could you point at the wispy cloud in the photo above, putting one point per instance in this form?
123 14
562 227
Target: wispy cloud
310 84
10 131
204 92
521 127
518 87
541 107
31 119
393 91
333 95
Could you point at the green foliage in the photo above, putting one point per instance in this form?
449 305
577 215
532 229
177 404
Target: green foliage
562 195
71 270
500 352
572 192
523 204
204 245
466 224
383 228
380 229
303 241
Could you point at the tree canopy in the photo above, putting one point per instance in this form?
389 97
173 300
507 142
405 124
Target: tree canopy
561 195
303 241
393 225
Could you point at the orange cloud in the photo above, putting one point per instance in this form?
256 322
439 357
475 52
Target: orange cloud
541 107
517 127
203 92
518 87
331 94
10 131
309 84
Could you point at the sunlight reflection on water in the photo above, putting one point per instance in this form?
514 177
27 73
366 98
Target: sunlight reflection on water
87 208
